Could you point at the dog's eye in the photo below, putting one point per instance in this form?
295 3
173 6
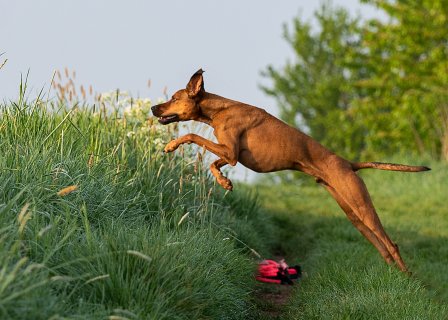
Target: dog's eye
173 99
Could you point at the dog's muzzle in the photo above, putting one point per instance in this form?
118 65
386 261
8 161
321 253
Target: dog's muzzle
163 119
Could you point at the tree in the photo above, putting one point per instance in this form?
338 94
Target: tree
372 88
407 104
314 92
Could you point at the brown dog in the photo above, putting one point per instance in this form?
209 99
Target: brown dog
263 143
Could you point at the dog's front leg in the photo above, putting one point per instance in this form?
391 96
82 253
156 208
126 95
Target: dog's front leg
220 178
228 154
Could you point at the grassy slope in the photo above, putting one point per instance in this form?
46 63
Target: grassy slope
346 277
115 246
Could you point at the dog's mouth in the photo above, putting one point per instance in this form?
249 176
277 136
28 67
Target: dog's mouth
168 119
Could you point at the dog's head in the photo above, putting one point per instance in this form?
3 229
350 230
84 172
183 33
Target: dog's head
183 105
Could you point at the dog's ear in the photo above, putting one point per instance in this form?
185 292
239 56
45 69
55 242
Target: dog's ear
196 84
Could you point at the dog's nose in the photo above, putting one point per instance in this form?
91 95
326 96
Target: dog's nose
153 108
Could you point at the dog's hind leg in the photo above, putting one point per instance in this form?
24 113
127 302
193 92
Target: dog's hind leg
352 190
220 178
366 232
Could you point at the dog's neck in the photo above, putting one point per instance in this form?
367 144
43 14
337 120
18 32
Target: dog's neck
212 104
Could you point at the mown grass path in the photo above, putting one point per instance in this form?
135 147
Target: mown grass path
345 277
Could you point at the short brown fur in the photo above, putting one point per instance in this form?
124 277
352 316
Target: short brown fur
263 143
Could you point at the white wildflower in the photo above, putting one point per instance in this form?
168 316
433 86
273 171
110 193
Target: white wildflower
158 142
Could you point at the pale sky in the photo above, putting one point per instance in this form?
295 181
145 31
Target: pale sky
122 44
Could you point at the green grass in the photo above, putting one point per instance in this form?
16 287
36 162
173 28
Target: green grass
145 236
346 277
150 236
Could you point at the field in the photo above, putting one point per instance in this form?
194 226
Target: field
96 222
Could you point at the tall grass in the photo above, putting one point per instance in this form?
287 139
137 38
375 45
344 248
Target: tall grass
96 222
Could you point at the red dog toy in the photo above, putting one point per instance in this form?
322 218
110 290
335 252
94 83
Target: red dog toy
271 271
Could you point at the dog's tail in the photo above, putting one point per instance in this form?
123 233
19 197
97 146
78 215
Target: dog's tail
388 166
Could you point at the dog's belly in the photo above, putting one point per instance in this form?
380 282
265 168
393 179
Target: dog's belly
247 160
269 146
263 162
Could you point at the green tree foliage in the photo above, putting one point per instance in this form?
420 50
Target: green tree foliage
314 91
373 88
407 107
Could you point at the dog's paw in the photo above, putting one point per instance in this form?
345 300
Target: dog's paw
171 146
225 183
